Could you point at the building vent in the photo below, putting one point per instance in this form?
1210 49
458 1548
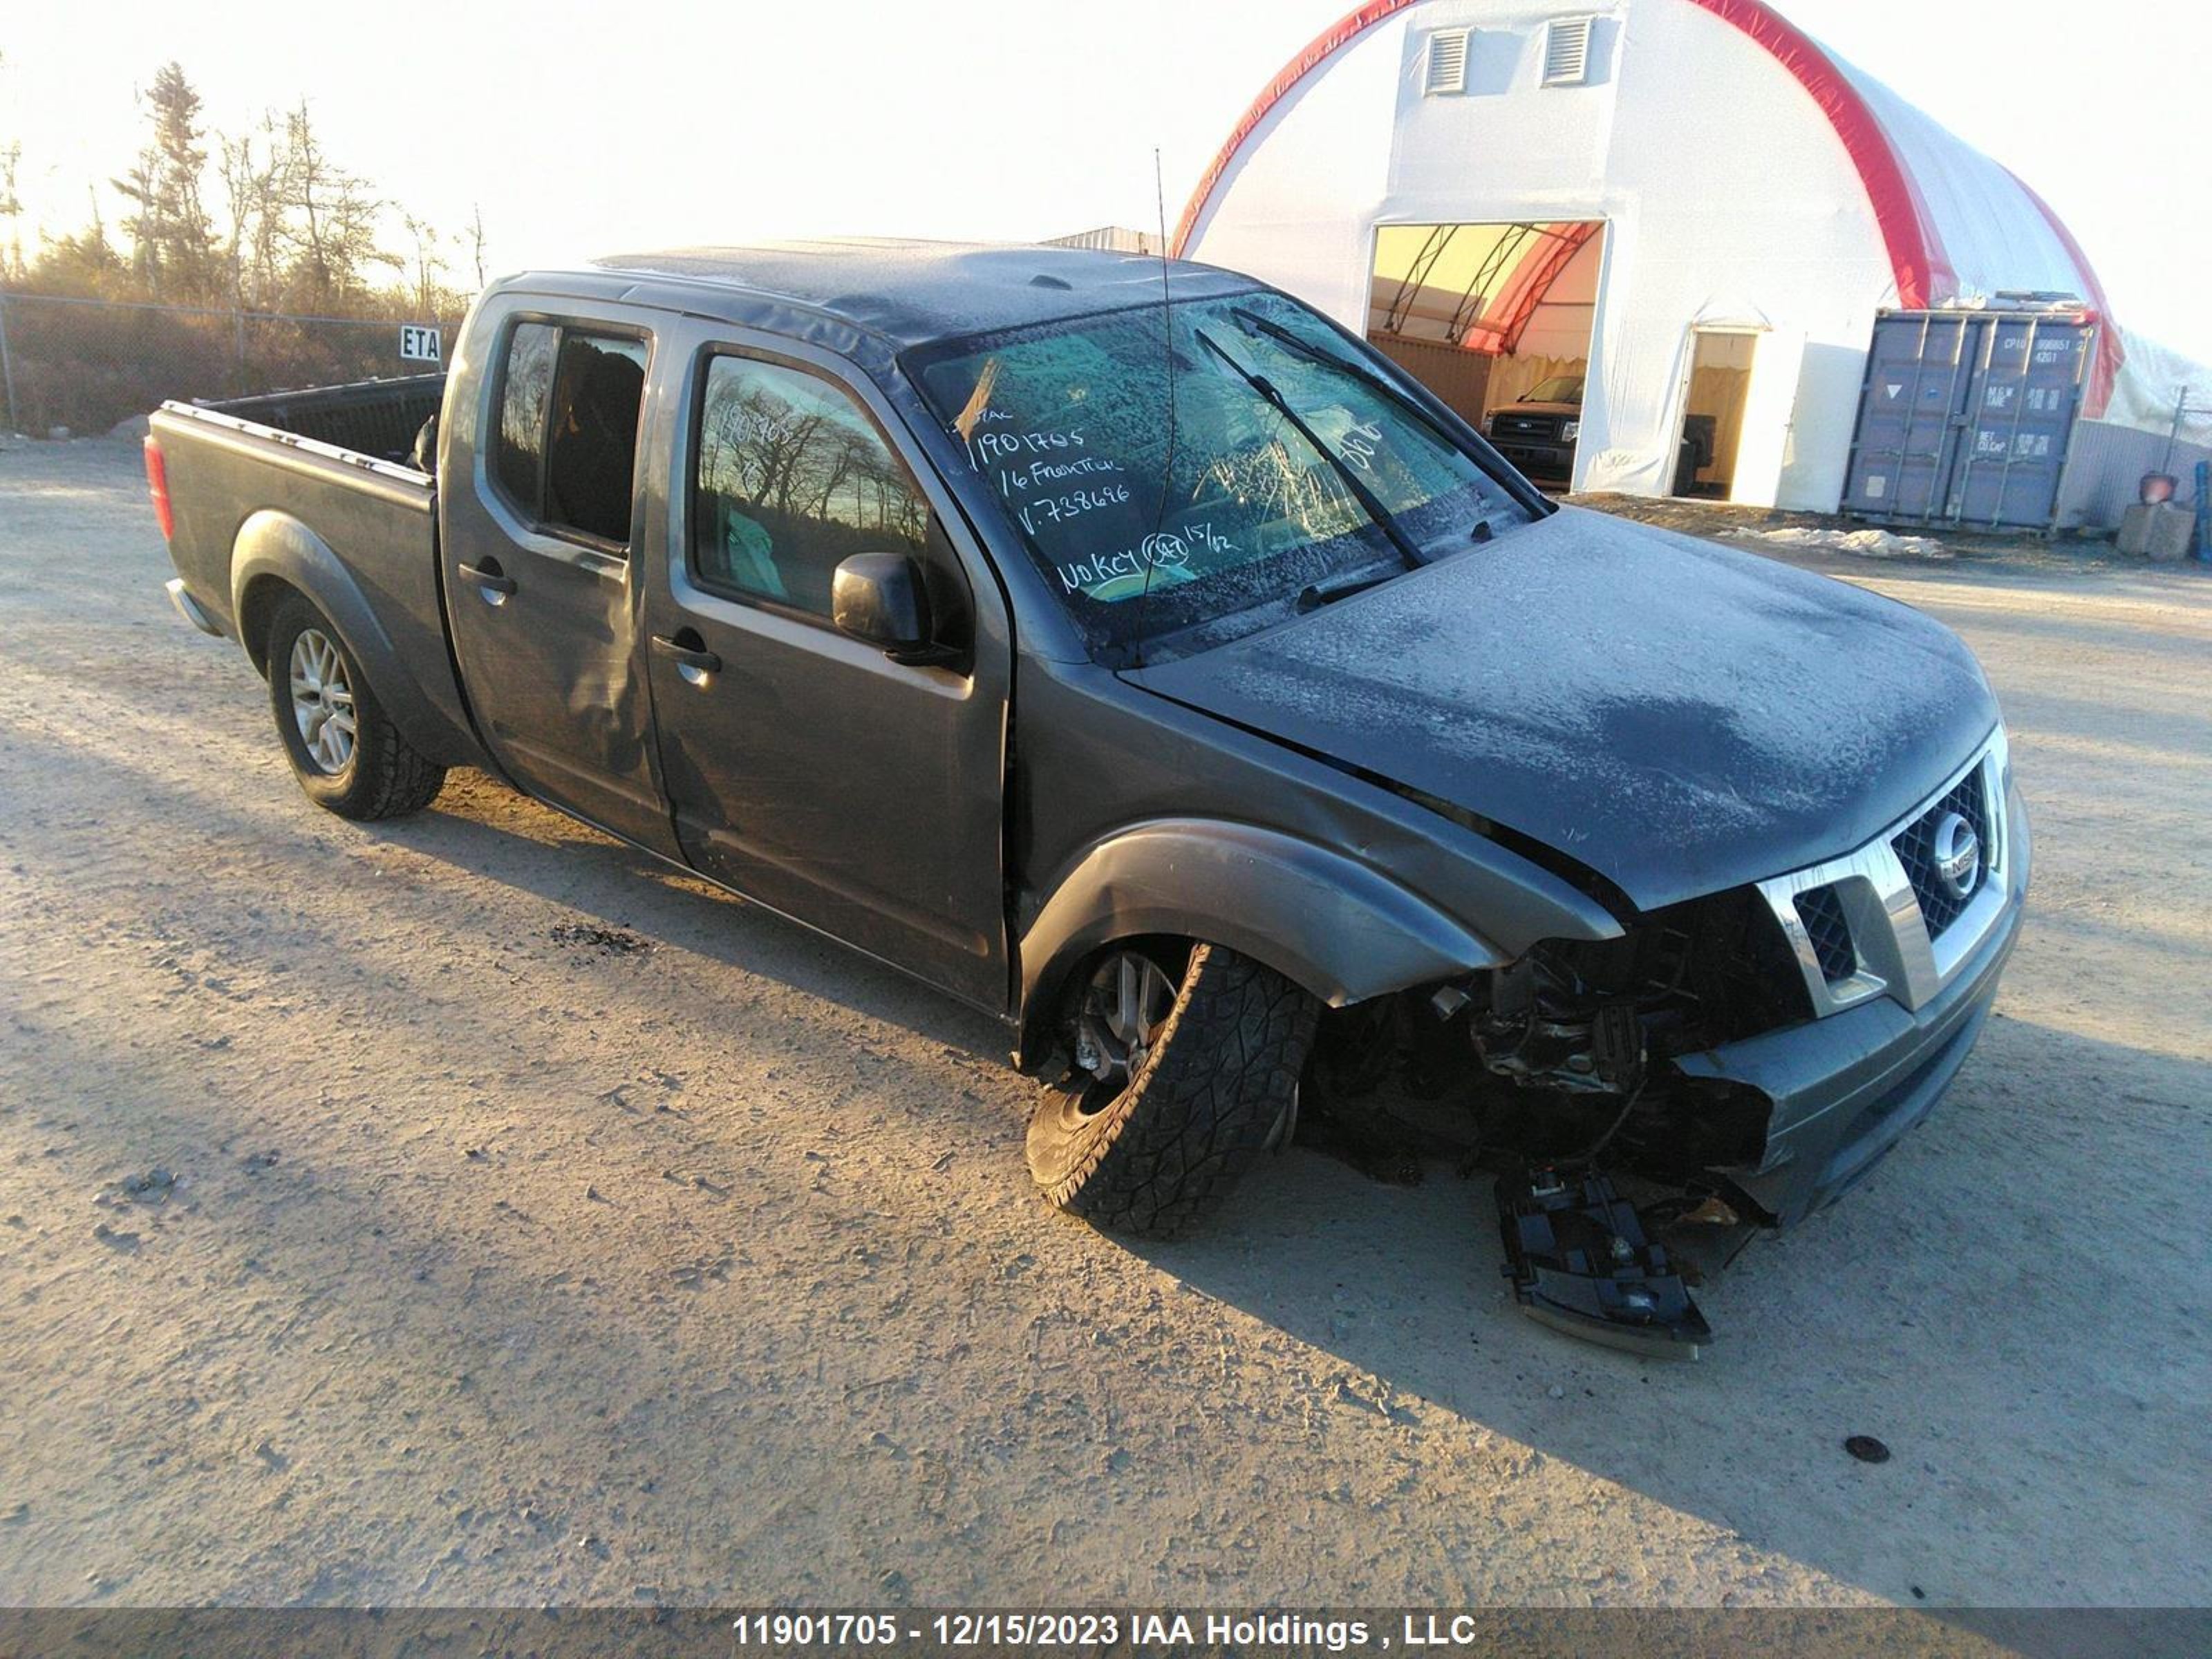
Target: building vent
1566 51
1447 62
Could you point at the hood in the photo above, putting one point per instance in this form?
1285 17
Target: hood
1678 716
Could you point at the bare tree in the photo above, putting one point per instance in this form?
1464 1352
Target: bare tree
477 241
330 216
245 193
427 264
351 243
265 185
303 187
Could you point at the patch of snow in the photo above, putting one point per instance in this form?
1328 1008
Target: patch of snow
1867 544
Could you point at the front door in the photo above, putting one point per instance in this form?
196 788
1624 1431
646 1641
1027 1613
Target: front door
538 582
1712 412
805 768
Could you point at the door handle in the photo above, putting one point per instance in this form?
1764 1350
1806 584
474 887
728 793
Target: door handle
494 584
684 649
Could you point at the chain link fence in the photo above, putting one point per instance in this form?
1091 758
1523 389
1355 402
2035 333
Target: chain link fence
80 367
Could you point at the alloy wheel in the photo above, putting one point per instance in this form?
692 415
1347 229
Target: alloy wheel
322 701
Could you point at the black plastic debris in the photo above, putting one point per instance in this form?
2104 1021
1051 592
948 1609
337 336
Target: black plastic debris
1575 1252
1866 1449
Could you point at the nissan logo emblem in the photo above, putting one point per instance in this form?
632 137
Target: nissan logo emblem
1958 856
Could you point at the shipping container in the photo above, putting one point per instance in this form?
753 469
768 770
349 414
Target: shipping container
1965 416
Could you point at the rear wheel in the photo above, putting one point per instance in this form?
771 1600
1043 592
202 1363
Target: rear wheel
344 749
1186 1071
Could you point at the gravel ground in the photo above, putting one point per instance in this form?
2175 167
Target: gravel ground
465 1211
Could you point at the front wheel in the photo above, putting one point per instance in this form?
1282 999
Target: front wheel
344 749
1186 1071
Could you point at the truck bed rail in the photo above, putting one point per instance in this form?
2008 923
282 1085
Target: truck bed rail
373 418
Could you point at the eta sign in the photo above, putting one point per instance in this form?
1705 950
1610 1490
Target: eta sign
419 345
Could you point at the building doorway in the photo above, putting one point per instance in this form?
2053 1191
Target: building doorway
1496 319
1712 412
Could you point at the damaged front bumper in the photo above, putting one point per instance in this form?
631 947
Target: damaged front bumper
1843 1090
1830 1096
1840 1092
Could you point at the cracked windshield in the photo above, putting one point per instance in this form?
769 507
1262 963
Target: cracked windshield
1292 471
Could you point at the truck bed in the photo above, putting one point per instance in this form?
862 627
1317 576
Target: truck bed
314 490
367 418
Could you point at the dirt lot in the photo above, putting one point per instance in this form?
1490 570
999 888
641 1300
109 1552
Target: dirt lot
464 1211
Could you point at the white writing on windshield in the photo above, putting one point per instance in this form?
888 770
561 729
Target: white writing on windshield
1117 576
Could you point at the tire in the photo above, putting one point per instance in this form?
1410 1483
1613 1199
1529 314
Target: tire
1218 1085
370 772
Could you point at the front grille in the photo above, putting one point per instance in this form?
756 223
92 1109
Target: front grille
1915 847
1881 919
1822 912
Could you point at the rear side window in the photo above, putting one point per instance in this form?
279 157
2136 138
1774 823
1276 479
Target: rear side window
566 451
794 477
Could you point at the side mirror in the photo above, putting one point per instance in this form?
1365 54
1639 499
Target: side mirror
879 598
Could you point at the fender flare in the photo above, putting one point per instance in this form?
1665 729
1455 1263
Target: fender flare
274 548
1336 926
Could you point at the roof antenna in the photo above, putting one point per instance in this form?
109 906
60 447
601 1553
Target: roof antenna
1148 549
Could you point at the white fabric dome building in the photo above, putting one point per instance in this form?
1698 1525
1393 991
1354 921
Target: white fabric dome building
1689 205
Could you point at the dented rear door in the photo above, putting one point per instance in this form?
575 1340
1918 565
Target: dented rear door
540 592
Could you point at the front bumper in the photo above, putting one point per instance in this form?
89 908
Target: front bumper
1543 462
1843 1090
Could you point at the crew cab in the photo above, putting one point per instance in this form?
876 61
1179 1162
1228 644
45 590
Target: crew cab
1128 652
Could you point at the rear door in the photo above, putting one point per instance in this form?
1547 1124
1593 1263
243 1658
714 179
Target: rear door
538 567
805 768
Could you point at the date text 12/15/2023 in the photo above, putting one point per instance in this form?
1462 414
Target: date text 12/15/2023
831 1631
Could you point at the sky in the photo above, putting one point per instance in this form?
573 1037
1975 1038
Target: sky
587 130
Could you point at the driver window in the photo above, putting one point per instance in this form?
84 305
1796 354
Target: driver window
793 478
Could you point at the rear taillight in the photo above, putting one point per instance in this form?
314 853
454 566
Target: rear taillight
157 486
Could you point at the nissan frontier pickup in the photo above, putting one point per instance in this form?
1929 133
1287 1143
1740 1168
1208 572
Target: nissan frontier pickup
1128 652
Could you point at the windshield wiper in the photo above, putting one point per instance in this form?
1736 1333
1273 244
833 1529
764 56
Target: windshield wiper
1314 595
1482 532
1367 498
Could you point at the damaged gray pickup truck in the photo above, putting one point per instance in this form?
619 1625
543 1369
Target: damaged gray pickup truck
1130 653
